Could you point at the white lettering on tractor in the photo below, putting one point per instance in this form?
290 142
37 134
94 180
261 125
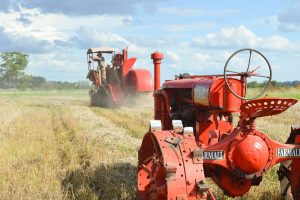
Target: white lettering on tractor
286 152
213 155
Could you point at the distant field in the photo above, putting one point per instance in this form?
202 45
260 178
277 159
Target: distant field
54 146
280 92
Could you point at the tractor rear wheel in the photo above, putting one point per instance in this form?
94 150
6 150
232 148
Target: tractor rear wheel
289 171
152 174
166 169
284 177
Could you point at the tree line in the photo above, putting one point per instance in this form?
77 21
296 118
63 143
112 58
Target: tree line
274 83
12 75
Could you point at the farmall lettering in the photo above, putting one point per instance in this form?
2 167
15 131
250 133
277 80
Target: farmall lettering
194 138
213 155
288 153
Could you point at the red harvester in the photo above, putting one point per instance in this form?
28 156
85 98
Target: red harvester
112 83
193 137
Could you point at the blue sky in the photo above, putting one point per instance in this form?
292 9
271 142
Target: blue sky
195 36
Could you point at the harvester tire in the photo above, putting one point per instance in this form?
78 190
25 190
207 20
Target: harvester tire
92 101
92 98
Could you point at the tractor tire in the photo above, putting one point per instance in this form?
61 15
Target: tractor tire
284 173
284 177
163 162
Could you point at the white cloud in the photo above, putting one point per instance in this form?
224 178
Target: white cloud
78 7
185 27
180 11
290 27
37 25
87 38
12 42
241 37
55 40
172 59
53 27
208 62
272 20
202 58
276 42
173 56
59 29
289 19
59 64
132 21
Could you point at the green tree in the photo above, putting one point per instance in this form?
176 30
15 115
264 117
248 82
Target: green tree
37 81
12 68
24 81
274 83
253 84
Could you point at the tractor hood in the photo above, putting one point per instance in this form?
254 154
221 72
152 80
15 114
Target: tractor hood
187 83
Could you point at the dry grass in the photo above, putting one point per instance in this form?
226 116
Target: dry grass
134 117
53 146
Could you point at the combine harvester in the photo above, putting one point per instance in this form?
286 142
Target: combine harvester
112 83
193 138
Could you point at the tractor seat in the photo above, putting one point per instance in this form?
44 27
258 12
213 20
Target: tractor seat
265 107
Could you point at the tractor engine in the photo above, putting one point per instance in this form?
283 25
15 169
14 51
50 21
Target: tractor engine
192 136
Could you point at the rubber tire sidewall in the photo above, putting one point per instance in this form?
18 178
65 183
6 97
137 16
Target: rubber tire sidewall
284 182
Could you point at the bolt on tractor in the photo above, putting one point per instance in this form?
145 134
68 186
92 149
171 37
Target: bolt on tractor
112 83
192 136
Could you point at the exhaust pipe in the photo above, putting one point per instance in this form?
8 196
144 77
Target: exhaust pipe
157 57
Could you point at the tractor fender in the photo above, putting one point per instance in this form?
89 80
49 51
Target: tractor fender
139 80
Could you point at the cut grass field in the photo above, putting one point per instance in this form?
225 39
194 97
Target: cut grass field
54 146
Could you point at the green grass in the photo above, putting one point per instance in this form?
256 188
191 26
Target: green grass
280 92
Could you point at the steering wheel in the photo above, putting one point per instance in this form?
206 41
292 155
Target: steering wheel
248 73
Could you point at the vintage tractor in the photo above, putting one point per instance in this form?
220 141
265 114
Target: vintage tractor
193 136
112 83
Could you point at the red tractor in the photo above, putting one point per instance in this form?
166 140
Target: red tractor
193 136
112 83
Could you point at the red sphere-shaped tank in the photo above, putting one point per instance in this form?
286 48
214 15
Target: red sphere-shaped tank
251 154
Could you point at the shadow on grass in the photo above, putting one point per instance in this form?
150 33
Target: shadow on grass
117 181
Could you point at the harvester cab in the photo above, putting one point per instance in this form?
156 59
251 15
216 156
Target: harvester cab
192 136
113 80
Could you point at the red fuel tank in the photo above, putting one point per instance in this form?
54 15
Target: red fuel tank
211 91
